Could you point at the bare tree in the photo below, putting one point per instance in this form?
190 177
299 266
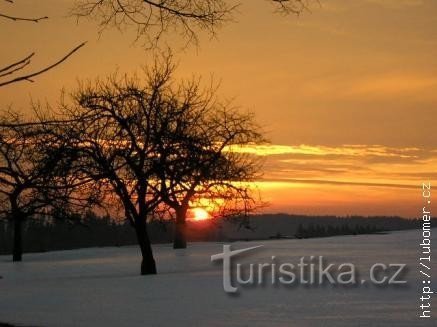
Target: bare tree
128 134
31 185
10 73
199 164
154 19
111 133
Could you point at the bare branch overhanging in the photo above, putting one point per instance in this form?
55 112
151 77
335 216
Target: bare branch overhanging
154 19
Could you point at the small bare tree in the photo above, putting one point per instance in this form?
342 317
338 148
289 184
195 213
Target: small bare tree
10 73
31 183
198 159
154 19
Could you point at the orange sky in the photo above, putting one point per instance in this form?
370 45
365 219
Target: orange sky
347 92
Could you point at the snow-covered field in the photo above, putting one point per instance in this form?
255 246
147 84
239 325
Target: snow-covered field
101 287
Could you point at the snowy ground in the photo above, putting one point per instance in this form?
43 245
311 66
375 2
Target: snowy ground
101 287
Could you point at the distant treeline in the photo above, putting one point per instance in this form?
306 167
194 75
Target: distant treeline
98 231
81 232
344 229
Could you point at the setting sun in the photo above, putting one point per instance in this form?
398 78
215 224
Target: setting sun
200 214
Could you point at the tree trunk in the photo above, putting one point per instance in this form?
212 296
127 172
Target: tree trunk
180 237
148 265
17 252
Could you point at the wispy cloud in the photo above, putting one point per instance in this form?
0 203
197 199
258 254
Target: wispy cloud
345 150
397 4
380 85
348 179
334 182
347 165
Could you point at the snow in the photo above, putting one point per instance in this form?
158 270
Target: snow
102 287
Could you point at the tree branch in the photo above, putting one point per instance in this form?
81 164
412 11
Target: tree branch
29 77
14 18
12 68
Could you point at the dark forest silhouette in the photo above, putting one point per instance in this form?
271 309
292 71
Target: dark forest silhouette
91 230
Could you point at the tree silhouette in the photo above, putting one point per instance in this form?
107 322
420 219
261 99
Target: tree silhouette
198 158
154 19
128 135
31 185
111 129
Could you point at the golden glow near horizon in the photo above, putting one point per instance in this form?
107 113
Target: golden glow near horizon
346 93
331 180
200 214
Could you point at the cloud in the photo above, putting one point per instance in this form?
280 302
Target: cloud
397 4
347 165
382 85
333 182
345 150
393 85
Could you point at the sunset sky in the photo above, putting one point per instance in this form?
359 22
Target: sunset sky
347 93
